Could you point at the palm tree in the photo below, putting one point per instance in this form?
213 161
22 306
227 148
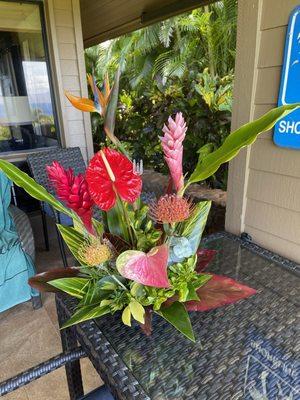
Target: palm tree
202 38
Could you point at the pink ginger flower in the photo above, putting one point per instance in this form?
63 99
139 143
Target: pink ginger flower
174 135
73 191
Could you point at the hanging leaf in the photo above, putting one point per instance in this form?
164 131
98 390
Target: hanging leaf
99 228
73 239
137 311
85 314
195 225
219 291
244 136
76 286
126 316
149 269
177 315
94 295
110 115
116 224
35 190
40 281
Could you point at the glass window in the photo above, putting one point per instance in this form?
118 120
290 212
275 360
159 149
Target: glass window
27 116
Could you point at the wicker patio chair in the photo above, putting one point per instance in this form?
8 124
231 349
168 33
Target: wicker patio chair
25 233
37 163
24 229
34 373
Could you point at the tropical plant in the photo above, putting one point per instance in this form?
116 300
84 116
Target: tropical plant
141 258
184 63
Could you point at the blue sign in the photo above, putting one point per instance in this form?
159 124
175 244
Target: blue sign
287 130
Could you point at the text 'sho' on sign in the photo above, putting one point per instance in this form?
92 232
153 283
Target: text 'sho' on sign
287 130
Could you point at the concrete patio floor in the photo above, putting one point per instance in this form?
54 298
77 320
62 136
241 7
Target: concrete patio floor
28 337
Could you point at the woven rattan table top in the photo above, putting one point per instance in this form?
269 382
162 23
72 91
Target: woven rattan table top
247 350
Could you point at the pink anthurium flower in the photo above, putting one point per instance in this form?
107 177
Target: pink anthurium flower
148 269
174 134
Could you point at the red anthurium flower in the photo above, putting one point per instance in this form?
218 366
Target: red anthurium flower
73 190
110 174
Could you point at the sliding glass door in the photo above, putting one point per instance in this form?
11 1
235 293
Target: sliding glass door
27 109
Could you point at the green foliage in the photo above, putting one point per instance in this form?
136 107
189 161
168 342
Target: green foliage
5 133
238 139
185 280
182 64
216 92
177 315
145 233
76 286
85 313
196 221
73 239
35 190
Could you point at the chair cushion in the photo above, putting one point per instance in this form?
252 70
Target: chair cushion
24 230
102 393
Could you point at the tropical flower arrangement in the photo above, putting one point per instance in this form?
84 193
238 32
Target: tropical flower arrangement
138 259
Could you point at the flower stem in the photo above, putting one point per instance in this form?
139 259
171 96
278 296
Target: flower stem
127 221
120 283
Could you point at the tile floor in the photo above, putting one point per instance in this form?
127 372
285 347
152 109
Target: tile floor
28 337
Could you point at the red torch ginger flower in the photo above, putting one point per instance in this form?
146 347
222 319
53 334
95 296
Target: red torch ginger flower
174 135
110 174
73 191
170 209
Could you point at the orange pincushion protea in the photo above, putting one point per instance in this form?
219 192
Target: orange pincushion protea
170 209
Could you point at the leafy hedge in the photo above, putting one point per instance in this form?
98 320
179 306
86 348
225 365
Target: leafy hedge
182 64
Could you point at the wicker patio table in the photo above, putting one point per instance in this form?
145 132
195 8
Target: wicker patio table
248 350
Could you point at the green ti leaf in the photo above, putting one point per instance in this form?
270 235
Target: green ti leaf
86 313
94 295
194 226
244 136
73 239
98 227
177 315
35 190
76 287
116 223
110 115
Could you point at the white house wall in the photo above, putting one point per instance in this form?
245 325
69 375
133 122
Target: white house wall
264 181
66 48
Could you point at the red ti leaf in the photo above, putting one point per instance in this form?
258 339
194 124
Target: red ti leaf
219 291
204 258
39 281
109 174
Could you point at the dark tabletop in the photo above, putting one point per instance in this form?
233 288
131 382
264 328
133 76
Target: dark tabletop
246 350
